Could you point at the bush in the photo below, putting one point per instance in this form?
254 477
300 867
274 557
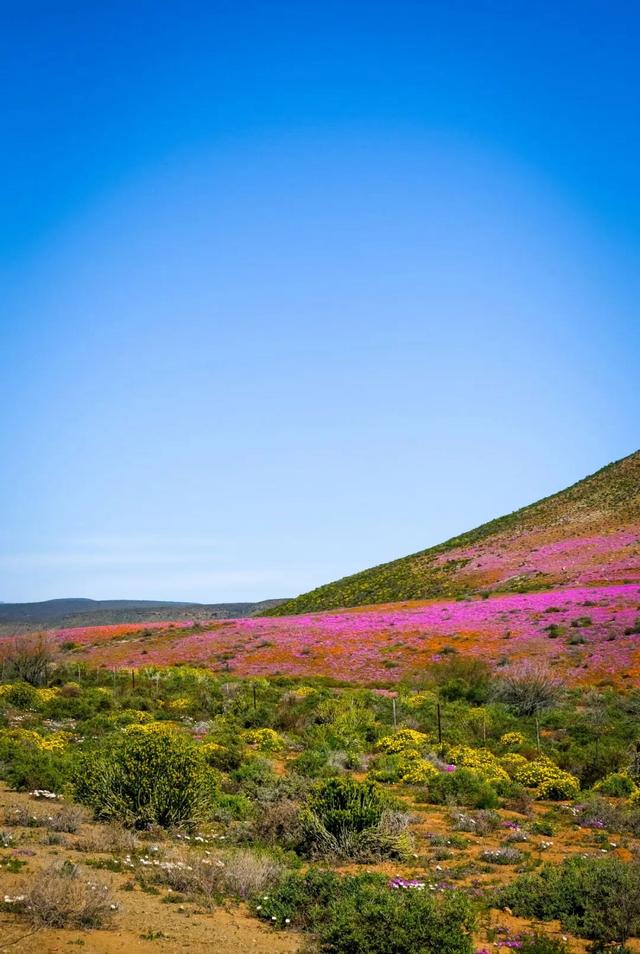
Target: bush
363 914
151 775
465 786
616 785
69 819
28 659
344 805
549 781
22 695
265 740
350 819
62 897
401 741
596 898
243 874
528 689
25 767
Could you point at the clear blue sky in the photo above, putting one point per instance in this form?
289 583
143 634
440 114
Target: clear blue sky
290 289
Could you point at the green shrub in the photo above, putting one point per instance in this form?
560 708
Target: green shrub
344 805
596 898
151 775
616 785
362 914
22 695
30 768
350 819
465 786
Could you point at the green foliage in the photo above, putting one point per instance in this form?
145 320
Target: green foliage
362 914
148 776
350 819
465 786
596 898
344 805
616 785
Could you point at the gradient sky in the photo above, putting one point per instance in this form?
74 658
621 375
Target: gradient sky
290 289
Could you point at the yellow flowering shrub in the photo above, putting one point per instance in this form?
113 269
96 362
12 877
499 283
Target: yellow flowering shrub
211 748
420 700
634 799
394 767
511 740
149 728
616 785
266 740
550 781
302 692
401 741
46 695
421 773
481 760
181 703
136 715
55 742
512 763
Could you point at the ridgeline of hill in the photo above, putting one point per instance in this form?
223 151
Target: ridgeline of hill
586 534
64 613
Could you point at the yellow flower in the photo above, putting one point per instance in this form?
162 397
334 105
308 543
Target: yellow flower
402 740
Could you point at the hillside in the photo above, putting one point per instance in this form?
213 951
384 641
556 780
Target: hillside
586 534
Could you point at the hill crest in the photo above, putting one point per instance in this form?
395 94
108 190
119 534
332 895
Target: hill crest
588 533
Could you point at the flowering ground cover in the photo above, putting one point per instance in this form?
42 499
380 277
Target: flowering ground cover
587 634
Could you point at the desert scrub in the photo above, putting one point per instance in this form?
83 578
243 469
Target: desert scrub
501 856
596 898
347 819
366 914
150 775
465 786
241 874
63 896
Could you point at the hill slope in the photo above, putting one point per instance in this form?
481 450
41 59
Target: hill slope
586 534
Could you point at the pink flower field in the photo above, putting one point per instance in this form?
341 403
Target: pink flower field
588 633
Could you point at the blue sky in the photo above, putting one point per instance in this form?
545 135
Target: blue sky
290 289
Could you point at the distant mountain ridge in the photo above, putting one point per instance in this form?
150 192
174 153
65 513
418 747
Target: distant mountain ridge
86 612
587 534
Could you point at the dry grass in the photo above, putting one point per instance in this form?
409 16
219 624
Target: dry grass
69 819
20 816
108 838
246 873
62 896
242 873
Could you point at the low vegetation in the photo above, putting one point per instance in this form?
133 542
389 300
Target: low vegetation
431 808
